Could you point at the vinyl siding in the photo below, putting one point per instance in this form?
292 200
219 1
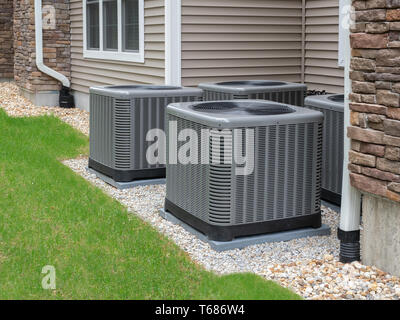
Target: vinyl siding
235 39
321 55
226 40
92 72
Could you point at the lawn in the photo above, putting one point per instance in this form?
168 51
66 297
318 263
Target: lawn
51 216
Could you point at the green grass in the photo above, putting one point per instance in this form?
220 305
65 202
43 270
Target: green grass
51 216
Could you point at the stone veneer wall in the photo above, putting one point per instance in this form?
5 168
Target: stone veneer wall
375 98
6 40
56 45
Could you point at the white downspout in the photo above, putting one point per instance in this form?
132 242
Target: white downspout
173 36
349 230
39 48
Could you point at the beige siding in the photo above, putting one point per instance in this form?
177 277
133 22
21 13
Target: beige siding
236 39
91 72
226 40
321 58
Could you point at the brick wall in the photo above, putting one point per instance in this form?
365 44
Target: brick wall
375 98
6 39
56 45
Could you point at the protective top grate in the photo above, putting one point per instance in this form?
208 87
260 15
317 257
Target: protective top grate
252 83
243 108
337 98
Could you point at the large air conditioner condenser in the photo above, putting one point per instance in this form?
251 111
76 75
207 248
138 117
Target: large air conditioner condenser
120 119
257 167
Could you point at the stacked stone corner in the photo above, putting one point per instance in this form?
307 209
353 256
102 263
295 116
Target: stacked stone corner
375 99
56 45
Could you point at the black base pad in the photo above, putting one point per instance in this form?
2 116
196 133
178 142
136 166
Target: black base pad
331 197
228 233
127 175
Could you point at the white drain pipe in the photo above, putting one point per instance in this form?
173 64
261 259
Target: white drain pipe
349 229
39 48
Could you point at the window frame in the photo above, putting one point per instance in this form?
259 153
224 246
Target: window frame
119 55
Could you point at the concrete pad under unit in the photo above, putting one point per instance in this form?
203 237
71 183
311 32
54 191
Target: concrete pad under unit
244 242
126 185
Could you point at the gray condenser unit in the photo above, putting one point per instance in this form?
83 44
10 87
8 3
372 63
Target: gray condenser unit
120 118
278 91
225 198
332 106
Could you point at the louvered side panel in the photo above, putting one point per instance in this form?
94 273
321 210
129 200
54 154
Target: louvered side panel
309 164
187 184
295 97
101 129
339 149
318 144
245 187
149 114
122 135
332 150
216 96
290 172
286 178
220 177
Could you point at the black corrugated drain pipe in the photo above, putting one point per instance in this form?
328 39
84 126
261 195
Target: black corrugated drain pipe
66 98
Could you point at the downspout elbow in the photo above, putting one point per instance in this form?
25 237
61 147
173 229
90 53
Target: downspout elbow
66 99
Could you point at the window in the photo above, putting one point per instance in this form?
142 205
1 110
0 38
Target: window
114 30
110 25
93 25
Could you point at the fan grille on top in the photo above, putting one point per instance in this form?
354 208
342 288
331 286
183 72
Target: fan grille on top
243 108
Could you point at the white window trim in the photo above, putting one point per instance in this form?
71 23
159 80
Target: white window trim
114 55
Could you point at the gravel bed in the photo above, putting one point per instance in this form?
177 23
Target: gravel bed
16 105
308 266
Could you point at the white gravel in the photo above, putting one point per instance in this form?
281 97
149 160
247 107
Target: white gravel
16 105
308 266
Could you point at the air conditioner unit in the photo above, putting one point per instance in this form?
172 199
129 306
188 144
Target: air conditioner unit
282 192
120 118
332 106
278 91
